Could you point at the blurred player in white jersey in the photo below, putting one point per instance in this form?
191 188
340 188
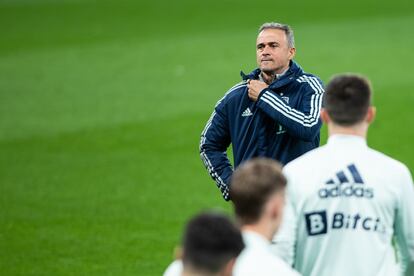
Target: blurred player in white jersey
257 191
211 244
345 201
258 194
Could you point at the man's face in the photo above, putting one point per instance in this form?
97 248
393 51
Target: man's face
272 51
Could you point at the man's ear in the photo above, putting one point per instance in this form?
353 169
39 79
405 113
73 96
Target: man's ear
372 111
292 52
325 116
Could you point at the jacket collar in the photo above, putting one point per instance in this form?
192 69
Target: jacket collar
291 74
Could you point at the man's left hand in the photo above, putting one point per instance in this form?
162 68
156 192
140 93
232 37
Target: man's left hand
255 87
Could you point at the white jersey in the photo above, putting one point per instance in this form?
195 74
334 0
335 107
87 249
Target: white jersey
345 202
255 259
258 259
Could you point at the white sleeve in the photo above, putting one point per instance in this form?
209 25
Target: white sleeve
283 243
404 224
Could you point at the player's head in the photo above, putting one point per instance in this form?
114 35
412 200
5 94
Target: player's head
257 191
211 243
347 101
275 47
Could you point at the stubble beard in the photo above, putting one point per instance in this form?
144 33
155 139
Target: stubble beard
277 69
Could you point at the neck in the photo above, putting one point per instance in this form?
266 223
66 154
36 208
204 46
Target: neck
265 229
191 272
269 77
357 130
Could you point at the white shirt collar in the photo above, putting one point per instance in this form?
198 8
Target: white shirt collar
281 74
347 138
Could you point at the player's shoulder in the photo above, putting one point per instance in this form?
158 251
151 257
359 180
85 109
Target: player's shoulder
253 262
382 160
174 269
284 268
309 161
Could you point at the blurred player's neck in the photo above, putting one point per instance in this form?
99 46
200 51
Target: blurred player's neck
270 218
263 228
192 272
356 130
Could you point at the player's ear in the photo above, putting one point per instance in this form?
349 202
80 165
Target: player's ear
275 205
228 268
178 252
372 111
324 116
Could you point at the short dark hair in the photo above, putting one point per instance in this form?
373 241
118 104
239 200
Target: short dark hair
252 184
210 241
347 99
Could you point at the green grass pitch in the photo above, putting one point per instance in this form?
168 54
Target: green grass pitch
102 104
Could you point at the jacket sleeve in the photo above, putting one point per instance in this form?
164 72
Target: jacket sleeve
303 122
404 225
214 142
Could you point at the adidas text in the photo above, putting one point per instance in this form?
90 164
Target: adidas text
343 190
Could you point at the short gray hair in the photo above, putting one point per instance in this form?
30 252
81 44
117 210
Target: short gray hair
279 26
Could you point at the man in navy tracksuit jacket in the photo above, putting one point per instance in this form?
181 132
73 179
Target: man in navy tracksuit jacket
274 112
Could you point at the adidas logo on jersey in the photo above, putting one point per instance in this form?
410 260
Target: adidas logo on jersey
346 183
247 113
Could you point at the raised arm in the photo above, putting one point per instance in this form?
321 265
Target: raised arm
302 122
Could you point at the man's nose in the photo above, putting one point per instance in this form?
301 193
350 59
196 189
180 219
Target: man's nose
266 50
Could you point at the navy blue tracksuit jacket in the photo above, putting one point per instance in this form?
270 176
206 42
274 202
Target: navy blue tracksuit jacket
282 124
